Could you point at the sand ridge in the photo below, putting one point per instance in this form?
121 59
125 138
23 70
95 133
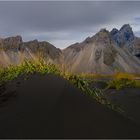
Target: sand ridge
50 107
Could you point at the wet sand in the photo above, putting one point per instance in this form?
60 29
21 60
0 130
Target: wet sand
50 107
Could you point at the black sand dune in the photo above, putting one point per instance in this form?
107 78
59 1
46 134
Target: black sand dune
49 107
128 99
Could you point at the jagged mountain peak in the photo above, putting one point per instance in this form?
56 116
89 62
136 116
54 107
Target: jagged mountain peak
124 36
114 31
10 42
16 38
103 36
102 32
126 27
104 53
127 31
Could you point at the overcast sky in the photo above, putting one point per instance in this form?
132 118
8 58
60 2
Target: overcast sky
63 23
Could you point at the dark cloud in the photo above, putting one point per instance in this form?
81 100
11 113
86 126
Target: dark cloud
64 22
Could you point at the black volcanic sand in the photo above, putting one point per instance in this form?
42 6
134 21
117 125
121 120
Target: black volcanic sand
128 99
50 107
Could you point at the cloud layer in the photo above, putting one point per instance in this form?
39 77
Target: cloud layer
63 22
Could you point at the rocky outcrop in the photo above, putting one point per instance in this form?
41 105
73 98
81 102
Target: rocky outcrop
136 47
44 49
10 43
14 51
124 36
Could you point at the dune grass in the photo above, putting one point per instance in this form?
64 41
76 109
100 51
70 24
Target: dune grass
124 80
26 68
123 83
117 81
31 67
118 75
94 93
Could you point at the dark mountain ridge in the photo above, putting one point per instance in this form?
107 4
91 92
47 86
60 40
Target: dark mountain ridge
104 53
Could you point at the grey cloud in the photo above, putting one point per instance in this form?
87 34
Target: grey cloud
63 20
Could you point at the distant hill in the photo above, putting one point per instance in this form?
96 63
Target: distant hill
14 51
104 53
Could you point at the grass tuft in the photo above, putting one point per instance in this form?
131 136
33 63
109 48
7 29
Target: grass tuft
95 93
30 67
123 83
26 68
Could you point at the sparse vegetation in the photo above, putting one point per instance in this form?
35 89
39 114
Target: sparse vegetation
124 76
119 84
118 80
123 83
123 80
94 93
118 75
26 68
29 67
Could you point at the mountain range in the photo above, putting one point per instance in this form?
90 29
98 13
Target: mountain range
103 53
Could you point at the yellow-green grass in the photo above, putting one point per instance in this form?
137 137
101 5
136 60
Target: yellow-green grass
118 80
27 67
124 80
118 75
30 67
94 76
123 83
121 75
